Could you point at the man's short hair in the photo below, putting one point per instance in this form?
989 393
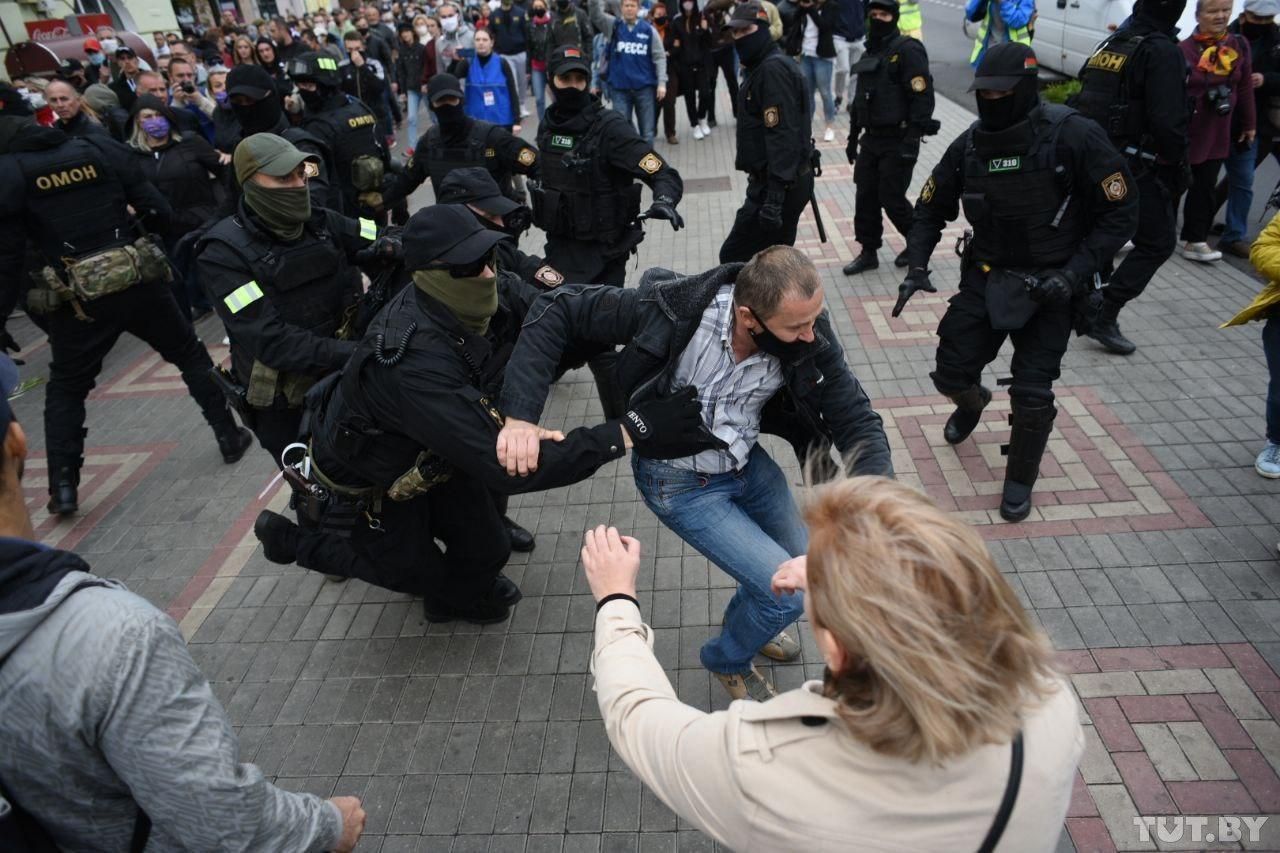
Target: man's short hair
772 275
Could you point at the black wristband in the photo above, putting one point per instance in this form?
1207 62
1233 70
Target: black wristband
614 597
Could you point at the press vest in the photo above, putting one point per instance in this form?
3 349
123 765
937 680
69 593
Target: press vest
880 99
487 96
630 61
580 196
309 284
477 148
1107 94
77 202
1017 194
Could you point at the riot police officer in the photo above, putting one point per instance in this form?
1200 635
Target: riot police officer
279 275
892 108
587 198
1134 85
1050 201
774 144
255 103
402 448
100 280
458 141
349 129
476 188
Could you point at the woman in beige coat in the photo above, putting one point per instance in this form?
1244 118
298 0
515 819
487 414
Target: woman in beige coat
936 681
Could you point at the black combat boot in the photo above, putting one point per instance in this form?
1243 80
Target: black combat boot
233 441
482 611
1106 330
521 540
865 261
278 535
64 478
1031 424
969 405
901 261
505 591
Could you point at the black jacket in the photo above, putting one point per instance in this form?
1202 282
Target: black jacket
188 173
410 62
689 44
1264 55
820 403
827 19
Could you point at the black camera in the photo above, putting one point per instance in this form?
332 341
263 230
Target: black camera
1219 98
189 88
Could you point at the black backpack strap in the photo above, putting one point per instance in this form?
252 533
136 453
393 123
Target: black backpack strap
1010 797
141 832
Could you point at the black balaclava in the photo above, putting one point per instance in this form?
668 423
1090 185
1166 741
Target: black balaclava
315 100
260 116
571 100
879 32
1003 113
452 118
1165 13
753 48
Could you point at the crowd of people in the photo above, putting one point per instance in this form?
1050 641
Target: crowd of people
395 367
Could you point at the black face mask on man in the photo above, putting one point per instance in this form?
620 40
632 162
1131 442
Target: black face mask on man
570 98
450 116
769 343
259 116
314 98
752 48
1003 113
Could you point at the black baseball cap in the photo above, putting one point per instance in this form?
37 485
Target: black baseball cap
252 81
125 50
746 14
442 86
891 5
474 185
446 234
566 58
1004 66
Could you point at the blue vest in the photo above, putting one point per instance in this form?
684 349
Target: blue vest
487 95
630 62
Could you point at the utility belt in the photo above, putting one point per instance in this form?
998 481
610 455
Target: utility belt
598 217
96 275
761 176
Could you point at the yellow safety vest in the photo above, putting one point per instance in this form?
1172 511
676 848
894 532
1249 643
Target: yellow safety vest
910 23
1022 35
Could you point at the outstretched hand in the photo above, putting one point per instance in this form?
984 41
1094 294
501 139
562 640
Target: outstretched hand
791 577
612 562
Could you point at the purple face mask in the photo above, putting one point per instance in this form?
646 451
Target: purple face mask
157 127
220 97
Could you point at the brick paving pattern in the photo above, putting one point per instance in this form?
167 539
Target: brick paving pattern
1150 561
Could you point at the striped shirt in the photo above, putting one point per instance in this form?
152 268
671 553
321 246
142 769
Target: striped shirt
732 392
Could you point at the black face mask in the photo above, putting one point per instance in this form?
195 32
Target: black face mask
659 19
514 223
450 116
1253 32
767 342
878 30
1163 12
751 49
571 100
260 116
1003 113
313 99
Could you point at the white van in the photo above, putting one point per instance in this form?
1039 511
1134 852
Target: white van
1067 31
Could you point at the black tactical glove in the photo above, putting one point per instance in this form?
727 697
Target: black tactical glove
770 215
669 427
1057 287
386 248
917 279
665 208
910 150
851 147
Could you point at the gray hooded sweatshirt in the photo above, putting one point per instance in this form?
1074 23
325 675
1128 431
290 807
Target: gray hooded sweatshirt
102 710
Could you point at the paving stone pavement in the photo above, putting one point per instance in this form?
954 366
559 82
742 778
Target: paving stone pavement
1150 560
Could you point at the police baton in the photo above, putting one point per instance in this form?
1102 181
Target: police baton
817 216
815 164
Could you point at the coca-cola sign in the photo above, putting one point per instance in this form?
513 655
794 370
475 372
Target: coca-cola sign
52 30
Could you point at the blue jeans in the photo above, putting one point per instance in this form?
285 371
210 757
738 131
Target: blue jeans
1239 191
745 522
540 91
413 101
645 103
817 76
1271 347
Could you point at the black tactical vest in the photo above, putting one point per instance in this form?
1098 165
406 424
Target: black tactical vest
308 281
752 156
76 199
880 100
581 197
355 135
475 149
1018 197
1107 95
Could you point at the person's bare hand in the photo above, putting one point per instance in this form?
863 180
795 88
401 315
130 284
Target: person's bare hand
661 93
1256 79
1247 136
791 577
612 562
223 158
352 822
518 446
515 128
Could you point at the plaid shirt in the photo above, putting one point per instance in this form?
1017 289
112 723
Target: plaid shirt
732 393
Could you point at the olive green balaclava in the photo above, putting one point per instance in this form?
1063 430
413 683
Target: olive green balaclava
473 300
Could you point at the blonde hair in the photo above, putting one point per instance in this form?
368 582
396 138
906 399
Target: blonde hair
235 53
942 657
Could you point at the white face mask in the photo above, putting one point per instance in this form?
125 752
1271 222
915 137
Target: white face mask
109 46
449 25
422 32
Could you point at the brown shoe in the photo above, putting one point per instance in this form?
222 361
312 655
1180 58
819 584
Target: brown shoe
1239 248
671 139
747 685
781 648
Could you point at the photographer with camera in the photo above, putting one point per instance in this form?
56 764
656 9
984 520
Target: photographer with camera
1219 83
185 96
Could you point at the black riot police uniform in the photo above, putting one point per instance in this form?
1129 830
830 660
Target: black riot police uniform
1050 201
891 109
289 306
587 199
458 141
350 130
1134 85
402 451
775 148
101 279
